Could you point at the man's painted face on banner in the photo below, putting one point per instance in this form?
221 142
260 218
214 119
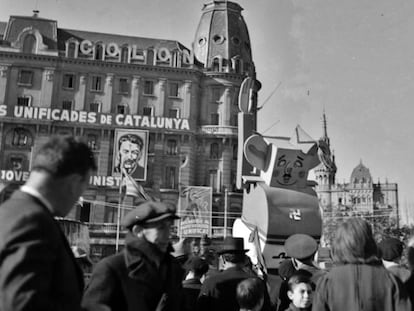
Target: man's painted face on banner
129 153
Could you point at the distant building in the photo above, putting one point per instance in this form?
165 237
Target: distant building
183 101
361 195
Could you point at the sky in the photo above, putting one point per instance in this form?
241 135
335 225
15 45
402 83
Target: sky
352 59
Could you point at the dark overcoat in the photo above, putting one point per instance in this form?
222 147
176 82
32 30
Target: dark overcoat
218 292
37 268
138 278
368 287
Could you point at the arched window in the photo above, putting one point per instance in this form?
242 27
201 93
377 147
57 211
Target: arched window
216 64
72 49
124 54
99 52
29 44
150 57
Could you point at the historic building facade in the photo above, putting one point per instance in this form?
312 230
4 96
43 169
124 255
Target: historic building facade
91 85
361 195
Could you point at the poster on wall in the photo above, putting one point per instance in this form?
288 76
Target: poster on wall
131 153
195 205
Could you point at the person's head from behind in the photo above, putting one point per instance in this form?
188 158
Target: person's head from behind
250 294
354 243
391 250
196 267
129 152
300 289
61 169
152 221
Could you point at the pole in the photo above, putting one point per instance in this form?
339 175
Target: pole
118 218
225 212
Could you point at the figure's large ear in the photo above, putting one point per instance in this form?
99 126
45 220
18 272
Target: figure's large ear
257 152
313 156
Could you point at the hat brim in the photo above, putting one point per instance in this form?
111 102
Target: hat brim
232 251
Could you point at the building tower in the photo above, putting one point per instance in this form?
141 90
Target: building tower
222 49
325 172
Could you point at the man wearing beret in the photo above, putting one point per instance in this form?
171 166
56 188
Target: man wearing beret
218 291
391 250
144 276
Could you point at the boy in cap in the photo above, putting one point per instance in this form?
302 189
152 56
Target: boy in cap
302 249
144 276
218 291
391 250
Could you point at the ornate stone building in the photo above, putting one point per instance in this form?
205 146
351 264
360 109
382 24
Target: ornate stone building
88 84
361 195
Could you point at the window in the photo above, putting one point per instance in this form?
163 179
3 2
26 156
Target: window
98 52
72 50
68 81
95 107
235 120
123 86
216 95
24 101
213 182
124 54
173 89
216 64
25 77
121 109
214 151
92 140
96 83
147 111
21 137
29 44
148 87
16 162
214 119
67 105
170 177
174 113
235 151
171 147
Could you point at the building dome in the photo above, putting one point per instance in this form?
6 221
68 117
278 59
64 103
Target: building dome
222 42
361 174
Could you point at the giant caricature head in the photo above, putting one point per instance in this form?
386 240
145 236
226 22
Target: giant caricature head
283 162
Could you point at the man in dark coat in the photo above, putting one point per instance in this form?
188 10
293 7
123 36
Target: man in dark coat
218 291
196 268
144 276
37 268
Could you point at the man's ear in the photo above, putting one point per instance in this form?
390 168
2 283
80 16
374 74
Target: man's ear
290 294
136 229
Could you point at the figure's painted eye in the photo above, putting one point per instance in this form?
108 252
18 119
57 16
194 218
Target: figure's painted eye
297 164
281 163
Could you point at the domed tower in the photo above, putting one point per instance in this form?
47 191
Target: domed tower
222 42
222 49
326 171
361 188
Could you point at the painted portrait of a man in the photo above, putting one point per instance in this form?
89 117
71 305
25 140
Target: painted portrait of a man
130 153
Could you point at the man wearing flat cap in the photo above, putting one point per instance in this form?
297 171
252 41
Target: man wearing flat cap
218 291
144 276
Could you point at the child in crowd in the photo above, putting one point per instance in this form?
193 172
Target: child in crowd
300 289
250 294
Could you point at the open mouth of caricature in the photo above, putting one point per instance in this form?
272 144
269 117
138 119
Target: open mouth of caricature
287 180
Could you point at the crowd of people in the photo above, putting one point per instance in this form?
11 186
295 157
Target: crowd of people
38 269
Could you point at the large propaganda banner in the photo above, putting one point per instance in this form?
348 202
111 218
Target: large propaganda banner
130 153
195 205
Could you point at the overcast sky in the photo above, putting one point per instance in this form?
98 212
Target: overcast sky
354 59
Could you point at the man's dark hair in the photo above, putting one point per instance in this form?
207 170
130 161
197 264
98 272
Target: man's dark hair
135 139
61 156
249 292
